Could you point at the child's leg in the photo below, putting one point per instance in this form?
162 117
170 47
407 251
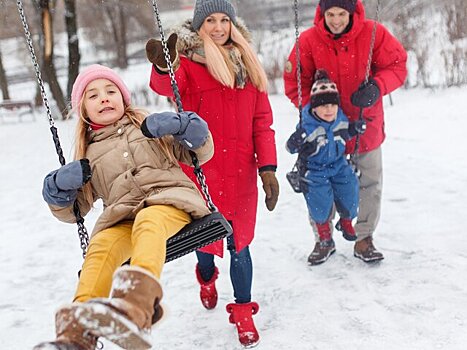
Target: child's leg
345 188
319 199
107 250
152 227
241 272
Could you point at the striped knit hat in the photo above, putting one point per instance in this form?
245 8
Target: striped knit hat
324 91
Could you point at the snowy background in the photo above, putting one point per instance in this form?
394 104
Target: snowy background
415 299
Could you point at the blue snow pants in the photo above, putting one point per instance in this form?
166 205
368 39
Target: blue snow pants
337 185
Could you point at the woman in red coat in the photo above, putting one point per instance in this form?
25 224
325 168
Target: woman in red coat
220 78
339 42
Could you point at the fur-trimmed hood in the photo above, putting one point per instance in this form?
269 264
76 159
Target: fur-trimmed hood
189 40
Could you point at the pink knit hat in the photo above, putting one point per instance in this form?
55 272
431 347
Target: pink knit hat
93 72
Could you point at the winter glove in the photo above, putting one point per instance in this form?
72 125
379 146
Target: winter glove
366 95
61 186
155 53
270 187
187 128
357 127
296 140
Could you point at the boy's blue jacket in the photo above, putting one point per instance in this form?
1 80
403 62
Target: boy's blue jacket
325 142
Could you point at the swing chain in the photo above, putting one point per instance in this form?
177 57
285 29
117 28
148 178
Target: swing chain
197 169
165 49
82 232
202 181
353 156
299 66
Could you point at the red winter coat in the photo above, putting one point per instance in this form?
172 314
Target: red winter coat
240 122
346 60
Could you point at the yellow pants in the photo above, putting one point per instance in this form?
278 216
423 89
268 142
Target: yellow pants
144 240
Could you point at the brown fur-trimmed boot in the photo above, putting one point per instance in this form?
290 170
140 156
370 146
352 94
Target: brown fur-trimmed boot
70 334
126 318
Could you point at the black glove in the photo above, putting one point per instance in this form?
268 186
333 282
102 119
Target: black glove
296 140
74 175
357 127
366 95
155 52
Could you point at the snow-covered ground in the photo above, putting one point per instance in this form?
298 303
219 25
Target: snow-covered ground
415 299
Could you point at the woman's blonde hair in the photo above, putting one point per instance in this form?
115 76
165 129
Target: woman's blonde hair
222 68
82 135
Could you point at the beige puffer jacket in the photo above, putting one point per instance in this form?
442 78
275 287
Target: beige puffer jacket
130 172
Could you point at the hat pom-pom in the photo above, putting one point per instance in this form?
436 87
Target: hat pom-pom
321 74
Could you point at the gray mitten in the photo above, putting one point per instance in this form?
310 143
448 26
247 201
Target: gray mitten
187 127
194 130
61 186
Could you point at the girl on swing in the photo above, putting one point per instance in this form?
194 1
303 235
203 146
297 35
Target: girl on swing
220 78
130 162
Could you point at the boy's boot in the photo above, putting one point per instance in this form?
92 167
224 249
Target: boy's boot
126 318
366 251
242 316
208 292
324 248
70 334
346 227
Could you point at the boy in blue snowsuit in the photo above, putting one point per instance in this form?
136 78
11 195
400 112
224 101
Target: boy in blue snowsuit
326 178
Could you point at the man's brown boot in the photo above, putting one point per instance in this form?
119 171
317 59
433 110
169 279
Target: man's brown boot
366 251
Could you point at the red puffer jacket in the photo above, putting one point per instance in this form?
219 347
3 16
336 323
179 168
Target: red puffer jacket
346 60
240 122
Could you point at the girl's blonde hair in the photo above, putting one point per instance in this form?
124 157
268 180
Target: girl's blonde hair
82 135
222 68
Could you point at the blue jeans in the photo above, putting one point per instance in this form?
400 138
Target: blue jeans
241 270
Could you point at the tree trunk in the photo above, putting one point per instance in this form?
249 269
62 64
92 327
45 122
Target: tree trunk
116 16
73 44
48 66
3 80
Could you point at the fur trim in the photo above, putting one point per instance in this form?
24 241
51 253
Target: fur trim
189 40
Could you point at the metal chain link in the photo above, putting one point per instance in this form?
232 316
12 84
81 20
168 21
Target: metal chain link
165 49
353 156
198 171
82 232
372 43
299 66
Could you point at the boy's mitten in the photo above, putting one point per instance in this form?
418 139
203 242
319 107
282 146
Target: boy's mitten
270 187
155 53
61 186
296 140
187 127
366 95
357 127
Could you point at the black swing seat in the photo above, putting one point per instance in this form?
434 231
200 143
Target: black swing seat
197 234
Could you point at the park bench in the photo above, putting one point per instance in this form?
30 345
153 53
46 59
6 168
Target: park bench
16 108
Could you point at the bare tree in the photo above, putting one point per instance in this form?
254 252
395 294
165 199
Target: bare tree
3 80
48 67
73 44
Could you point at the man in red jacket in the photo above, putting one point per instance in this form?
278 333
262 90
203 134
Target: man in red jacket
341 42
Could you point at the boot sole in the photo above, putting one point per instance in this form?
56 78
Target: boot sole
368 260
102 321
